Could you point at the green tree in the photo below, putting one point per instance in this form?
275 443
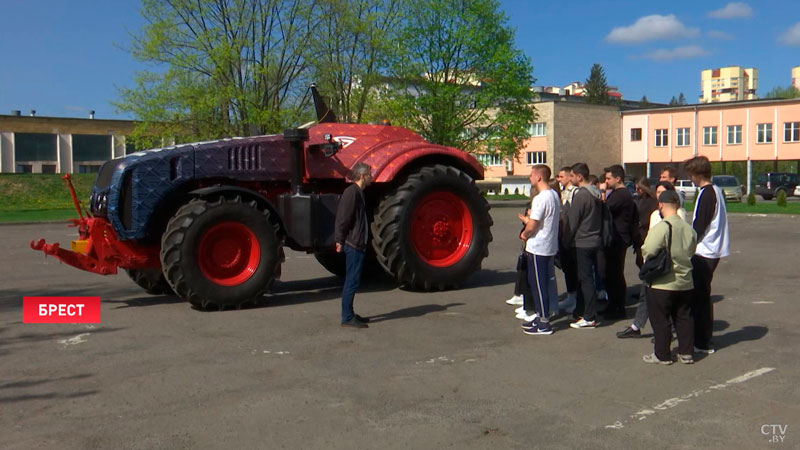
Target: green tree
458 78
679 101
783 92
222 67
644 101
352 49
596 87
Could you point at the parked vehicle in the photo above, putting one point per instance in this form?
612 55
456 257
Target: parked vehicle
797 191
768 185
730 187
687 187
208 221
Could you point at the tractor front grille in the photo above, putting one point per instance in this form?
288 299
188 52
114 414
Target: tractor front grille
244 158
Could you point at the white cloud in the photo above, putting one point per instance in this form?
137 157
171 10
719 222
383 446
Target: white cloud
734 10
650 28
714 34
791 36
662 55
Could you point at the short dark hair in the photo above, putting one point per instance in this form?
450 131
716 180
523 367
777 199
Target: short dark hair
593 179
542 170
667 185
699 165
671 197
581 169
616 171
672 170
566 169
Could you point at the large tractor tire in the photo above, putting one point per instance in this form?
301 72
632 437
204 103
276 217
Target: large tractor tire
220 252
151 280
433 231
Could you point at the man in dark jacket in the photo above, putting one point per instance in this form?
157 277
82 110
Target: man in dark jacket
626 222
351 237
582 226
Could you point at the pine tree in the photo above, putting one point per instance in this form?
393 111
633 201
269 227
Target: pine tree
673 101
644 101
596 88
681 99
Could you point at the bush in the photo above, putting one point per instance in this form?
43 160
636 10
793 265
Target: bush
751 199
782 199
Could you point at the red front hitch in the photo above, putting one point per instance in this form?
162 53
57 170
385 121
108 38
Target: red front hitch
98 249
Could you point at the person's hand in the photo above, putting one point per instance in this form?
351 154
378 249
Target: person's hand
338 248
523 219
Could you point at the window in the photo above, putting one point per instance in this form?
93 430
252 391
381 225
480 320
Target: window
734 134
682 137
90 147
662 136
35 147
709 135
791 132
636 134
538 129
537 158
48 168
88 168
764 133
490 159
24 168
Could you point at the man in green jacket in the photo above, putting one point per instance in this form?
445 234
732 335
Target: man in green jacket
669 296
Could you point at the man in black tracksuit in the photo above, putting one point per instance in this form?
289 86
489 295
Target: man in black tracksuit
351 235
626 221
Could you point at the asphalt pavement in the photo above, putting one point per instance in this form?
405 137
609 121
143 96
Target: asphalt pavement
434 370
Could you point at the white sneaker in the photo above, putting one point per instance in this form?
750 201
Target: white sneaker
707 351
582 323
521 309
515 300
524 316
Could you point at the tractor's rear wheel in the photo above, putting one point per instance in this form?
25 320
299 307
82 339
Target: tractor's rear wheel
151 280
333 262
220 252
433 231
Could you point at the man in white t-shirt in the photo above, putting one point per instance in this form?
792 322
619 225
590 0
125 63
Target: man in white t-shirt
541 245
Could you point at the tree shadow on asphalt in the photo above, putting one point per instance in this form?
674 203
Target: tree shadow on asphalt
40 382
37 382
48 396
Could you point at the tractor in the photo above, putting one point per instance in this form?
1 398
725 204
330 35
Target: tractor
208 221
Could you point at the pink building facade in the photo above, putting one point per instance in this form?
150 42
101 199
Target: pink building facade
759 130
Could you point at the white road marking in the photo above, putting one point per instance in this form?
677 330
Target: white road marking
673 402
79 339
763 303
270 352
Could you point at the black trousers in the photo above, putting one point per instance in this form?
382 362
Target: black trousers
569 267
586 258
667 308
702 308
616 287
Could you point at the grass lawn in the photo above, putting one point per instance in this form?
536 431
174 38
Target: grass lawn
45 215
758 208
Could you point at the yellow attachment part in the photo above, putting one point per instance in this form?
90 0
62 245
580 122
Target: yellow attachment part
79 246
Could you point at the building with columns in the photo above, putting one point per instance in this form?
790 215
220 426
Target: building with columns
33 144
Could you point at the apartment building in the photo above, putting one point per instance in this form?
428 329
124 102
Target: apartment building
728 84
566 132
796 77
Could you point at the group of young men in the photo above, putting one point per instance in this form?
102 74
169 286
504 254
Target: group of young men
589 229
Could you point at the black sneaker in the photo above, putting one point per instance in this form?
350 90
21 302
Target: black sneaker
629 333
354 323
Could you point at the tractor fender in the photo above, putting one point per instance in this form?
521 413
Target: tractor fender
387 170
250 194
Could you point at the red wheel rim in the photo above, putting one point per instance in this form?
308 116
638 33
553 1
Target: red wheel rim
228 253
441 229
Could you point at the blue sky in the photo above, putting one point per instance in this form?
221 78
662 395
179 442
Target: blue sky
64 58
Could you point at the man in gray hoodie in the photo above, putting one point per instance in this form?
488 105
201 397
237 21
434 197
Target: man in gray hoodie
582 231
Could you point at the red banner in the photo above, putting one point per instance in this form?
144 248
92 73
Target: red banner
61 309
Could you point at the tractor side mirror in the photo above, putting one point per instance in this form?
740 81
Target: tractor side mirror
329 148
